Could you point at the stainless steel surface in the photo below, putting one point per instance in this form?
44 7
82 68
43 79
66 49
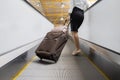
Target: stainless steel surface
68 67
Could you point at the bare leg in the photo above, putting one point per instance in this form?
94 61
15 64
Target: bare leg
76 41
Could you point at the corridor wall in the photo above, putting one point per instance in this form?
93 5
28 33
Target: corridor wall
84 28
104 24
20 24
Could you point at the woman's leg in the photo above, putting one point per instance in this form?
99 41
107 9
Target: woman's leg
76 18
77 43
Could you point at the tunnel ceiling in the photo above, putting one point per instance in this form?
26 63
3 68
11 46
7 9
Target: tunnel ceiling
53 10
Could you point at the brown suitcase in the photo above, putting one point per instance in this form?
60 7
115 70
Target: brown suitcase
52 45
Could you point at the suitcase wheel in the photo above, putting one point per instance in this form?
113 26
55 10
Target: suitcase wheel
41 58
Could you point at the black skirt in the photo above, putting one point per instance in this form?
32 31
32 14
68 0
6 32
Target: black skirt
76 18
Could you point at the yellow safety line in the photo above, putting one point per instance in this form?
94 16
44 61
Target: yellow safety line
98 69
24 67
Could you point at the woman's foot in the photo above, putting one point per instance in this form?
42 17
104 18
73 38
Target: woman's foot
76 52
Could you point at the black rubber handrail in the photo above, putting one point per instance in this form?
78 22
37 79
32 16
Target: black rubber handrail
102 46
18 47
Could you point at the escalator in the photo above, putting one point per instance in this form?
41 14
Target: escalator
68 67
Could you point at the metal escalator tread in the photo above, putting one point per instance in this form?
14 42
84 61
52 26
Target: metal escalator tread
68 67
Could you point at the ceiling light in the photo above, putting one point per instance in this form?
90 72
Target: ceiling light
61 18
28 0
62 5
38 4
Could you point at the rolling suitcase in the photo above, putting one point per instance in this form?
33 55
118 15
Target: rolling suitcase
52 45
